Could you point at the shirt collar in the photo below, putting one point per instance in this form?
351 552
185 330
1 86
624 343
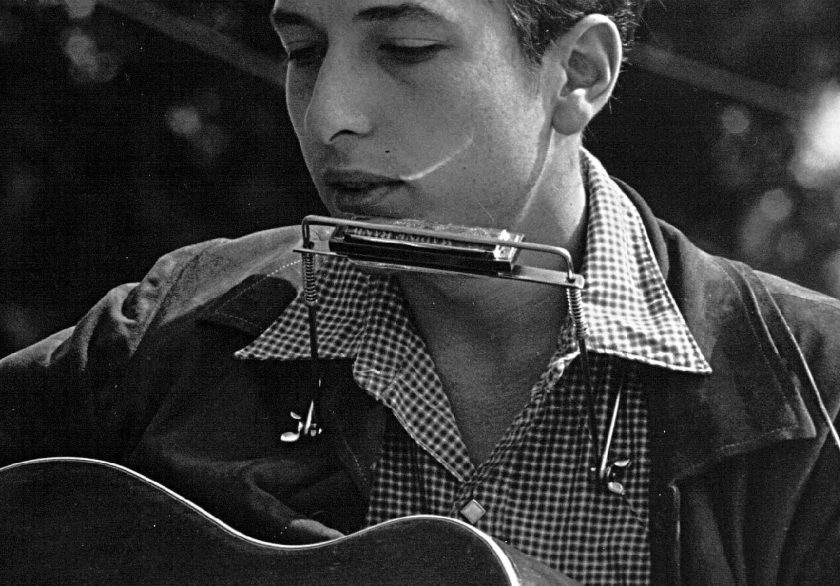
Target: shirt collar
630 311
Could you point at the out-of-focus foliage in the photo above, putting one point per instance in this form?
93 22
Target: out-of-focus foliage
782 176
119 144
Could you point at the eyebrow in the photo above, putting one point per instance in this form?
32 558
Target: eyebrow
404 11
385 13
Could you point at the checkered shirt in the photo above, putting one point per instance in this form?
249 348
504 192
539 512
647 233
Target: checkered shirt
535 486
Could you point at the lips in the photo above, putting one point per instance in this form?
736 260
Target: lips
360 192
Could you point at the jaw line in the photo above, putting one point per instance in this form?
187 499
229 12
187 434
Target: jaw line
435 166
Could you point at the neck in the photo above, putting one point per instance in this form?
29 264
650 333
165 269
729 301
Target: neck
495 321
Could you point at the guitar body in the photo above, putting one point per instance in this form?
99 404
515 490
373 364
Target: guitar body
77 521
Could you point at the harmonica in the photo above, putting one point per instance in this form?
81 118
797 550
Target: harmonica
425 244
422 246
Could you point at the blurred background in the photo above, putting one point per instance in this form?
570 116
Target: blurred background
131 127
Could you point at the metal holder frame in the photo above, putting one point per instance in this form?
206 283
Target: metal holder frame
520 272
568 279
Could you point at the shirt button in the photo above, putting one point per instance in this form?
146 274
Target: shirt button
473 511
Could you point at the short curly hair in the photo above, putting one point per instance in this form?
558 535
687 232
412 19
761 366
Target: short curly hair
538 23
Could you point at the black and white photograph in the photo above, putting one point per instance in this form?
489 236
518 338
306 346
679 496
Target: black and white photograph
420 292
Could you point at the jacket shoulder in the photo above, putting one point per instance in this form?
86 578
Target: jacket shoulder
804 326
718 296
260 253
792 295
814 321
217 267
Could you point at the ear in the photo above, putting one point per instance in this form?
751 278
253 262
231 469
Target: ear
589 59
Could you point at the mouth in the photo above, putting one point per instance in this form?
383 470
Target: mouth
360 192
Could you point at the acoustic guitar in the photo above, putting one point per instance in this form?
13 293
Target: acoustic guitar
80 521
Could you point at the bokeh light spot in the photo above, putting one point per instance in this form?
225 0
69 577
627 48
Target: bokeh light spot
184 121
775 205
79 9
80 49
817 160
735 120
88 63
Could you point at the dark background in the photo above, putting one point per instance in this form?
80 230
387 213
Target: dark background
118 143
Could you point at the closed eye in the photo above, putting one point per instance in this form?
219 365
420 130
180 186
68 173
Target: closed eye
411 51
307 55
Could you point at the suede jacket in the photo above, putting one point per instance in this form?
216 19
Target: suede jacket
745 479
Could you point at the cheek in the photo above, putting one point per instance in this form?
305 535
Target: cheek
431 133
508 118
495 175
505 151
298 96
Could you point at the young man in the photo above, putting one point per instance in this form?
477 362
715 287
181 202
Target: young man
458 396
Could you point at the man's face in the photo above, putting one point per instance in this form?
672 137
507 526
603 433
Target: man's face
420 108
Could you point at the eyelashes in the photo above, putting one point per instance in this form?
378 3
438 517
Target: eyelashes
402 52
306 55
411 53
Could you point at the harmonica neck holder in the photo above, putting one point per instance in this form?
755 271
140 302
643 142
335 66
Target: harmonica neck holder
408 245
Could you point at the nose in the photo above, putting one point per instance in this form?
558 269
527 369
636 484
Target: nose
341 101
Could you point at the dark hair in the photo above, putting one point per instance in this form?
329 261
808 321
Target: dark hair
538 23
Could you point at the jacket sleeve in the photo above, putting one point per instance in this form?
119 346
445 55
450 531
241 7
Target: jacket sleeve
55 394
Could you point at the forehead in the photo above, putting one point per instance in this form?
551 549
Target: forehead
326 12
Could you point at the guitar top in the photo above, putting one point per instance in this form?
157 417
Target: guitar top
80 521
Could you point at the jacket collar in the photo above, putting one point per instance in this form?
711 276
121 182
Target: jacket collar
253 304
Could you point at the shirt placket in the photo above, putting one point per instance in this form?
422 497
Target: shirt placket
393 365
485 487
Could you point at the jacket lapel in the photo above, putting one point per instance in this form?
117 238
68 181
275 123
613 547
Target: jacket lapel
751 400
252 305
